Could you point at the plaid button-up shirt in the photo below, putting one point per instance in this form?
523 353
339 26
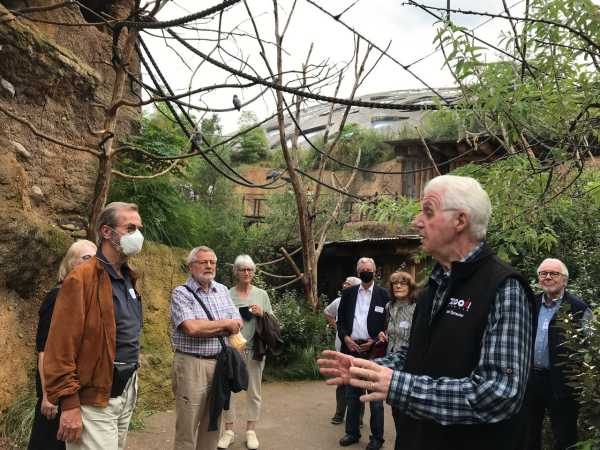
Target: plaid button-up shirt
494 391
185 307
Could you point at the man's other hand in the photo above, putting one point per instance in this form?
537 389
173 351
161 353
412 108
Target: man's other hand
364 348
70 426
234 326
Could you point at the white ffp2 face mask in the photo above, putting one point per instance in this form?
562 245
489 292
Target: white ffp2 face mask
131 243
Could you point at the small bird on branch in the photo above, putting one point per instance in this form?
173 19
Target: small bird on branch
236 102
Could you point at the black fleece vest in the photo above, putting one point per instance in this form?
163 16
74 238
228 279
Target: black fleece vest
449 345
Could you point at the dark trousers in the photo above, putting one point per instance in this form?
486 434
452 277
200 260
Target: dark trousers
340 402
353 414
563 413
43 432
396 416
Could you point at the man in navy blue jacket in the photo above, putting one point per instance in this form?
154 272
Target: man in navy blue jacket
549 385
361 317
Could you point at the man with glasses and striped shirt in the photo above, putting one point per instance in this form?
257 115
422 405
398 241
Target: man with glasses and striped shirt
460 383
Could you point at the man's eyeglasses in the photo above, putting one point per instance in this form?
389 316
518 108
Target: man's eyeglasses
246 269
553 275
206 262
400 283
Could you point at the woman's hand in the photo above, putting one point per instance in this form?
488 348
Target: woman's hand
382 337
256 310
49 411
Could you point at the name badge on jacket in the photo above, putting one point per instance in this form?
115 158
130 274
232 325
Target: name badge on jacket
379 309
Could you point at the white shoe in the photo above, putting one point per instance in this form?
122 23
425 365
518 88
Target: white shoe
226 439
251 440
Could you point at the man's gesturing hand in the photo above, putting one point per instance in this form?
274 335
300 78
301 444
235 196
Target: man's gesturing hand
365 374
335 366
70 426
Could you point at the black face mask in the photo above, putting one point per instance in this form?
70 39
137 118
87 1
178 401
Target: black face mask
366 277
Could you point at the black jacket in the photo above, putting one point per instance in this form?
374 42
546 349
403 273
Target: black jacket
267 337
375 317
561 365
449 345
231 375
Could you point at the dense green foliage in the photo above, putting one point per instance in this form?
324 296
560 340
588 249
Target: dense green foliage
253 145
543 91
189 206
305 335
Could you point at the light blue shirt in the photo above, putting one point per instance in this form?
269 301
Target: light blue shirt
541 355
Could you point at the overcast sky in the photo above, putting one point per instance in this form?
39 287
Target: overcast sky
410 30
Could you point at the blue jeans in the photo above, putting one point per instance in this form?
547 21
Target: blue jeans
353 414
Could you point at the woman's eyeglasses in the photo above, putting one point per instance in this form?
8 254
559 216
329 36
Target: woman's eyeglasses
400 283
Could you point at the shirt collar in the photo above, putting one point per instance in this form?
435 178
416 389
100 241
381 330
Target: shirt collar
555 302
109 267
369 289
192 283
439 275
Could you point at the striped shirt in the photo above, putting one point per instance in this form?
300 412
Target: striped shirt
398 328
494 390
185 307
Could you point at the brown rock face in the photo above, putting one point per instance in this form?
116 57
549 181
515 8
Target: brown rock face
58 78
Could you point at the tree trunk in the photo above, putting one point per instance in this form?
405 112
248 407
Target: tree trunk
110 125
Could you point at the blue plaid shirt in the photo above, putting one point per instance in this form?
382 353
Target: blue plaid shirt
494 391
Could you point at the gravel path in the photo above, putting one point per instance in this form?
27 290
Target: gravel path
295 416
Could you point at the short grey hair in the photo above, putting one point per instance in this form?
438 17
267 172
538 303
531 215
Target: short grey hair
562 265
108 216
242 261
196 250
364 260
464 194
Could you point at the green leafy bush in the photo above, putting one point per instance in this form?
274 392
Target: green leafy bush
305 335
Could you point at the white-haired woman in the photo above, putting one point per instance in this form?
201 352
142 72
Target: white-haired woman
46 419
253 302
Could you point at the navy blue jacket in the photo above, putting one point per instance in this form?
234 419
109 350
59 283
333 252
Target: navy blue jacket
375 318
561 365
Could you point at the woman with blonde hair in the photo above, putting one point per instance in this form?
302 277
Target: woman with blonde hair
46 419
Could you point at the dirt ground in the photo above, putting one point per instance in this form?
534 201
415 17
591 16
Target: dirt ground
295 416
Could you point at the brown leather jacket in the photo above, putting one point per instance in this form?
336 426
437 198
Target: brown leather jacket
81 345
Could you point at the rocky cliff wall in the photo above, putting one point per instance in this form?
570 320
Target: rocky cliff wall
56 77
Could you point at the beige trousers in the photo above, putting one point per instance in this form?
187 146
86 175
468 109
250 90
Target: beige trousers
192 383
106 428
253 394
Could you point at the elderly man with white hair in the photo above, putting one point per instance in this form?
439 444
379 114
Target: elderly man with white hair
460 383
549 388
195 333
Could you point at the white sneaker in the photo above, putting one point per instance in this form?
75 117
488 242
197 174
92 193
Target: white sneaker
226 439
251 440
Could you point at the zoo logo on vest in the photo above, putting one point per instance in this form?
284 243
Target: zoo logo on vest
458 307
